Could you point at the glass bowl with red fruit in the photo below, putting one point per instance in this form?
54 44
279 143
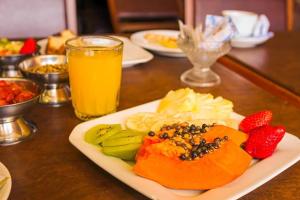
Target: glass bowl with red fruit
13 52
17 96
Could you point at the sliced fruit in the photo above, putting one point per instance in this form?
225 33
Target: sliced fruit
143 121
108 133
125 152
98 133
122 141
204 106
127 133
182 100
220 131
93 133
167 121
263 140
212 170
256 120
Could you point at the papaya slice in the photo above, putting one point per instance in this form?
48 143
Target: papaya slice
213 170
220 131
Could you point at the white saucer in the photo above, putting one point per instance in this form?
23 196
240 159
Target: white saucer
5 190
139 39
132 54
248 42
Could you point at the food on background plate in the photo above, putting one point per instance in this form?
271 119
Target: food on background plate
8 47
56 44
3 182
11 93
163 40
49 68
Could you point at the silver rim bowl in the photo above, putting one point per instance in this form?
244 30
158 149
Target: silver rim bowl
13 111
47 78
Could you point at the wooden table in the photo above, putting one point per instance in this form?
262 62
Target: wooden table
274 65
47 166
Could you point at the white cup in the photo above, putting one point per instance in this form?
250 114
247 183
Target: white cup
244 21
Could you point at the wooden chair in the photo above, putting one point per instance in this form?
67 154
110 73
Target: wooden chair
135 15
36 18
279 12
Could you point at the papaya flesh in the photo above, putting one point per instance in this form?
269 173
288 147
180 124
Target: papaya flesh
214 169
220 131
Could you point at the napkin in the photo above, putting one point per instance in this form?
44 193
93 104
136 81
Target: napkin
262 26
216 30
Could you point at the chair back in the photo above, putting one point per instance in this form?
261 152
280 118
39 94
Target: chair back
133 15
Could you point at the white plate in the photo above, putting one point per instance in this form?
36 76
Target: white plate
247 42
133 54
139 39
4 192
287 153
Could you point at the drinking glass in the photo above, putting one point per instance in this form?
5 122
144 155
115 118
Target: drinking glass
95 67
202 56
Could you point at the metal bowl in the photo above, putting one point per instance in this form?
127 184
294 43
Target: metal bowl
56 89
9 64
49 78
13 128
18 109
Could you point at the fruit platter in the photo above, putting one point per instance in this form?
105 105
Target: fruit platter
188 146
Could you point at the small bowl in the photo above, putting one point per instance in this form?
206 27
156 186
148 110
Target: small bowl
48 78
13 128
14 59
56 90
9 63
18 109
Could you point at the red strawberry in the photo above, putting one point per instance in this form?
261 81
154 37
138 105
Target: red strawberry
29 46
256 120
263 140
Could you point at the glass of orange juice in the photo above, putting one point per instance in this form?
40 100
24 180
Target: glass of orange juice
95 67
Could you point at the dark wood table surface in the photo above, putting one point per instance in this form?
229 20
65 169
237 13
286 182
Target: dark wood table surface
47 166
278 60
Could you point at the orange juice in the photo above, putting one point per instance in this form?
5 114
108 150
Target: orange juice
95 75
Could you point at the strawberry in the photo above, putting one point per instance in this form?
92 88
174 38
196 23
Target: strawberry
263 141
29 46
255 120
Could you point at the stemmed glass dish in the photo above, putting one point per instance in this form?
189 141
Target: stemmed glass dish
202 56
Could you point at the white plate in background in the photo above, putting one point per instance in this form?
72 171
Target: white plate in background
248 42
286 154
139 39
5 190
132 54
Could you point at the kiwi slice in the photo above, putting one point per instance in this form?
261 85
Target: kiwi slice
122 141
127 133
99 133
125 152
